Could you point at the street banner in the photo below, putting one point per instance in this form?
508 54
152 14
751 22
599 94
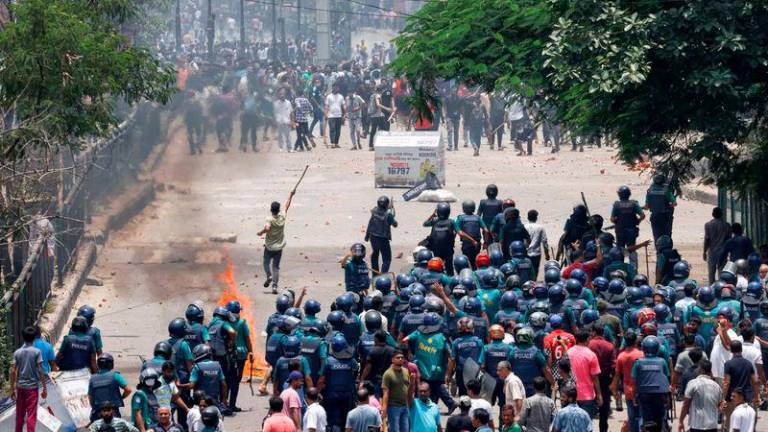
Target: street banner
403 159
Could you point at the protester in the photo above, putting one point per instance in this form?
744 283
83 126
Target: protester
571 418
538 410
701 404
364 416
315 419
27 377
586 370
277 421
424 414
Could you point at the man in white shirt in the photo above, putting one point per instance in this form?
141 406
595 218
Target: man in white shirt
744 416
315 419
514 390
720 353
282 113
473 389
538 241
334 113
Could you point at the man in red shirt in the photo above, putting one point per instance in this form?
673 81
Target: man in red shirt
606 358
556 344
577 257
586 370
624 364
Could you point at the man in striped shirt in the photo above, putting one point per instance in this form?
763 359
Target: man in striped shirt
302 110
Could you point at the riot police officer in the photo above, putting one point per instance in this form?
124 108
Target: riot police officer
443 235
573 301
161 354
77 350
282 303
198 332
243 352
338 383
379 233
89 313
651 374
521 264
356 275
314 348
490 206
495 352
627 215
464 347
144 404
527 360
414 318
107 386
661 202
223 336
207 375
373 324
470 228
389 299
508 312
351 327
291 355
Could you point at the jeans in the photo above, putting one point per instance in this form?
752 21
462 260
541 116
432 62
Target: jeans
317 117
589 406
380 244
334 129
355 126
397 419
273 270
475 136
248 124
26 408
633 416
437 390
452 125
302 132
195 137
284 136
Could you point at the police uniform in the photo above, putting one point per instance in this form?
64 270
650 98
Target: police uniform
77 350
659 200
219 332
356 276
339 390
441 240
473 225
379 233
207 375
651 375
106 386
495 352
315 350
463 348
626 212
528 362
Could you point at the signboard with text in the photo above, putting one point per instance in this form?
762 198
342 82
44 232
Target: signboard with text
402 159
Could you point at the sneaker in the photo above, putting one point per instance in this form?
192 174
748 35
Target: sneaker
236 409
274 289
477 152
267 282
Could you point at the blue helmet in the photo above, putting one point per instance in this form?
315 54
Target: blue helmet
664 242
556 294
573 286
624 192
383 283
88 312
336 320
194 314
753 262
662 313
291 346
588 316
512 282
717 288
287 324
517 248
754 292
615 254
177 328
668 294
223 313
601 284
540 292
403 280
460 262
509 300
345 302
443 210
725 312
579 275
706 296
406 293
617 286
647 294
282 303
551 276
432 323
423 256
496 257
651 346
416 303
556 321
681 270
340 347
507 269
538 319
468 282
473 306
640 280
590 250
234 306
635 296
728 278
489 280
312 307
295 312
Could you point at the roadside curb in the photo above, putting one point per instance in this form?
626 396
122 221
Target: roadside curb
699 195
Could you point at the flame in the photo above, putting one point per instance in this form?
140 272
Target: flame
258 367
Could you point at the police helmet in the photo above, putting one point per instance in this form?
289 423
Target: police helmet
105 361
742 267
432 323
491 191
717 288
640 280
466 325
336 320
517 248
524 336
588 316
312 307
649 329
579 275
538 319
418 289
210 417
496 256
403 280
601 284
295 312
764 308
288 324
556 294
551 276
150 378
573 286
615 254
372 320
509 300
468 206
651 345
223 313
512 282
423 256
434 304
416 303
178 328
460 262
459 291
706 297
754 292
345 302
659 179
482 260
194 314
662 313
664 242
681 270
507 269
635 296
624 192
728 278
468 282
647 294
668 294
496 332
202 352
234 306
539 291
282 303
382 202
163 349
291 346
340 348
754 261
489 281
443 210
87 312
540 306
79 324
473 306
358 250
725 312
551 264
436 265
556 321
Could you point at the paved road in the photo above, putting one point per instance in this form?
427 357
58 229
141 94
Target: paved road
162 260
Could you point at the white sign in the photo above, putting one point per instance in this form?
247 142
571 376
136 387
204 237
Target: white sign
68 399
404 158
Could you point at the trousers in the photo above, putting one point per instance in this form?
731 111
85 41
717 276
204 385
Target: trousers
272 265
380 245
26 408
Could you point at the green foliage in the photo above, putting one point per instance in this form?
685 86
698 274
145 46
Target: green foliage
66 66
679 81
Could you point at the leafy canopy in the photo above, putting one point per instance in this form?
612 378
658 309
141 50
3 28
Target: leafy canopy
679 81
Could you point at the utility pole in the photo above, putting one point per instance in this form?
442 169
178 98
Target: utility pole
242 26
178 26
299 38
210 30
323 32
274 31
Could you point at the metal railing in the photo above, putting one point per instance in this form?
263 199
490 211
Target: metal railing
750 211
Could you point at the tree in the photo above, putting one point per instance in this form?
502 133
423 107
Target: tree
678 81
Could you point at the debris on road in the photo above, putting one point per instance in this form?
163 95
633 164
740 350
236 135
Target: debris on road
224 238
